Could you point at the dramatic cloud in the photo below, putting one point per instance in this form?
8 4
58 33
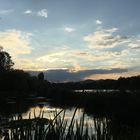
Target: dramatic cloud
69 29
16 43
110 49
64 75
99 22
82 59
41 13
105 39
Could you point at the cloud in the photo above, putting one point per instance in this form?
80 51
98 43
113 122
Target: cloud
108 48
16 43
69 29
135 43
81 59
30 64
6 12
114 53
28 12
60 54
63 75
64 57
99 22
105 39
41 13
102 54
52 57
81 53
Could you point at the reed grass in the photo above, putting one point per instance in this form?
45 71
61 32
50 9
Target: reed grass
60 128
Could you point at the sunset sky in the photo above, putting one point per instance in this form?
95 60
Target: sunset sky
94 38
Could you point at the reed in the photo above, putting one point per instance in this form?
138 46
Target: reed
60 128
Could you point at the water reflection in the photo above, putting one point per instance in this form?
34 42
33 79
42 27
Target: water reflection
96 90
49 112
109 127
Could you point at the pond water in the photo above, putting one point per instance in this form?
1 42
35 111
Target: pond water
45 110
96 90
50 112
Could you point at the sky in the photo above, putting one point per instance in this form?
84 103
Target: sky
94 39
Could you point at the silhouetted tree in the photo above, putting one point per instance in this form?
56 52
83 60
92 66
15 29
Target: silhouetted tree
41 76
5 61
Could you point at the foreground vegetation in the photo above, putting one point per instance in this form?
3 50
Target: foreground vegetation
59 128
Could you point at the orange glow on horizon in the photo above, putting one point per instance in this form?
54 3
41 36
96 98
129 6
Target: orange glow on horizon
111 76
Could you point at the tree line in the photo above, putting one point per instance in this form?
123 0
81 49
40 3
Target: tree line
14 80
18 80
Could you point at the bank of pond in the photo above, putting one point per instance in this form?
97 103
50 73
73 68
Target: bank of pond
61 127
97 115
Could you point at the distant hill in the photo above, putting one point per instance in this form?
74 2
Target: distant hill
65 75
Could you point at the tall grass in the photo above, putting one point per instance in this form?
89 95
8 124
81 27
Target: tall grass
60 128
